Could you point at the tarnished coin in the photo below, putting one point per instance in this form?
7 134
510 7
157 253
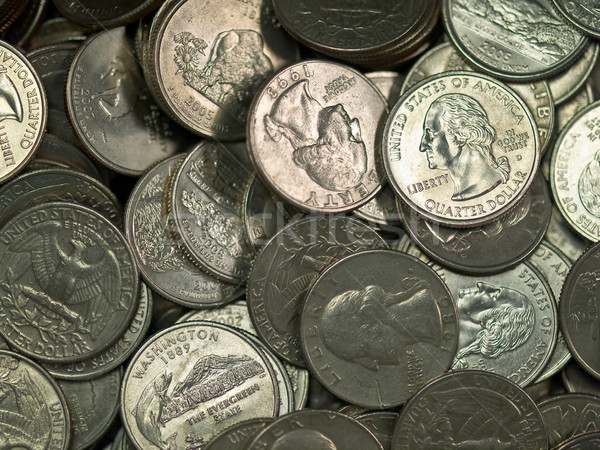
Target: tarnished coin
581 442
381 424
162 262
111 110
569 415
237 436
51 64
68 282
470 409
121 441
58 30
560 235
65 185
93 405
34 410
26 24
263 214
567 83
60 126
488 248
507 321
116 354
536 94
205 204
314 429
521 40
578 380
400 328
578 308
314 133
461 148
554 266
24 111
574 170
237 315
584 15
285 269
206 66
190 382
105 13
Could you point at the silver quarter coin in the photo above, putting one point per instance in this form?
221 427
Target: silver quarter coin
522 40
567 83
577 380
190 382
400 327
381 424
461 148
237 436
570 415
285 269
584 15
314 133
508 322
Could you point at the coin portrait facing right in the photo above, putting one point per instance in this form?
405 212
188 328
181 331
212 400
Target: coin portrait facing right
461 148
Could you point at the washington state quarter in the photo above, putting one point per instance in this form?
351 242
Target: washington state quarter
461 148
68 282
190 382
314 134
376 326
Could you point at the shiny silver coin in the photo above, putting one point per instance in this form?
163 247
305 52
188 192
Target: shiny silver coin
554 266
488 248
190 382
24 111
380 210
285 269
570 415
521 40
573 168
205 204
312 429
584 15
116 354
69 282
471 409
49 185
569 109
35 413
206 65
236 315
314 133
400 328
567 83
93 406
389 84
111 110
461 149
508 322
536 94
162 262
577 308
237 436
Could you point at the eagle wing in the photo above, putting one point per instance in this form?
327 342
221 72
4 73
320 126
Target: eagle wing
100 285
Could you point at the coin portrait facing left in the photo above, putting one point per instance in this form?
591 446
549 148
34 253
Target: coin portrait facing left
461 148
23 111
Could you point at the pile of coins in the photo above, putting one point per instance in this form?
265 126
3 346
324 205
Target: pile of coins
280 224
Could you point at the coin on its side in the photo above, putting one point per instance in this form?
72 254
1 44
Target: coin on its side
461 148
205 203
193 380
285 269
314 133
68 282
470 409
400 327
162 262
314 429
207 59
569 415
574 171
111 110
520 41
578 310
24 113
508 322
36 413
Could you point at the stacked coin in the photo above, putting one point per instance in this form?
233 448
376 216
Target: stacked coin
388 260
